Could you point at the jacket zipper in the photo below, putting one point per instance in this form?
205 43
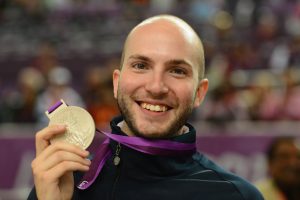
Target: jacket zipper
116 162
117 157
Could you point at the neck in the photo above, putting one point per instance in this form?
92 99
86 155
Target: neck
124 127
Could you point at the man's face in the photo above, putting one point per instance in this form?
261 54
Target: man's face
285 166
158 85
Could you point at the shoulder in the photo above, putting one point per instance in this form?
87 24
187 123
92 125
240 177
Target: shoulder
245 189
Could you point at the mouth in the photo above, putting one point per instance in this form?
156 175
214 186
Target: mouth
154 107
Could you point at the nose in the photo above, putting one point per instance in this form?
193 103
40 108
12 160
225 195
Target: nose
156 85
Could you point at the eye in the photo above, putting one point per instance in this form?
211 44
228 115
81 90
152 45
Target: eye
139 66
178 71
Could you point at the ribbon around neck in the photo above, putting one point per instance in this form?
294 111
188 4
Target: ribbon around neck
102 151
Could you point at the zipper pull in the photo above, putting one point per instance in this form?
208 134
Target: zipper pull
117 158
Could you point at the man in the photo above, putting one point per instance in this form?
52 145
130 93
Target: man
283 157
159 84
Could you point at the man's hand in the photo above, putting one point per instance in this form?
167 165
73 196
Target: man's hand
53 166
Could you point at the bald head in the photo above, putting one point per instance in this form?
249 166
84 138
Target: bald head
174 27
162 69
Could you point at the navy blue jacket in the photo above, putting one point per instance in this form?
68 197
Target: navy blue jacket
147 177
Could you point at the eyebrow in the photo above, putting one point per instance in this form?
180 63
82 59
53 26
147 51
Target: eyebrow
178 62
169 62
140 57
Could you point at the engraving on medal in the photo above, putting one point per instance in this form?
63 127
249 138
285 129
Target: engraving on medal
80 126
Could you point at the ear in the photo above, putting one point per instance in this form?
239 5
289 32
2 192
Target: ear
116 78
201 92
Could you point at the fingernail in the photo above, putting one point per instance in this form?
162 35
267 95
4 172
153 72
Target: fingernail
88 162
61 126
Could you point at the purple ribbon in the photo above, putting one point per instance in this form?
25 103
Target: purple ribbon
153 147
56 105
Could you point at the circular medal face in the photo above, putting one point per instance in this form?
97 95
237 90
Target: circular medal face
80 126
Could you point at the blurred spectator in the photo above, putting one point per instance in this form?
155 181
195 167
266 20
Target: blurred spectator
283 157
46 58
269 96
98 95
18 105
224 105
59 87
291 107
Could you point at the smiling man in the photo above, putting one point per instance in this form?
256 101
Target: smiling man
150 153
161 79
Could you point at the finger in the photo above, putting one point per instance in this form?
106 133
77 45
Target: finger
62 168
42 138
61 146
62 156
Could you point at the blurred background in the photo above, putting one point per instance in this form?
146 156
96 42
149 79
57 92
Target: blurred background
53 49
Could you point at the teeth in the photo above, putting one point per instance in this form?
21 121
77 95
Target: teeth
152 107
155 108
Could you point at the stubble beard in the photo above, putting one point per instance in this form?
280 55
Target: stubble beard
173 129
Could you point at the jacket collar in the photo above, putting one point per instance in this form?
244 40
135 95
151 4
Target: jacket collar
189 137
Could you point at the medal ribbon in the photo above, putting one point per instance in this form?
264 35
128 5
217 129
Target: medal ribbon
153 147
101 151
55 106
